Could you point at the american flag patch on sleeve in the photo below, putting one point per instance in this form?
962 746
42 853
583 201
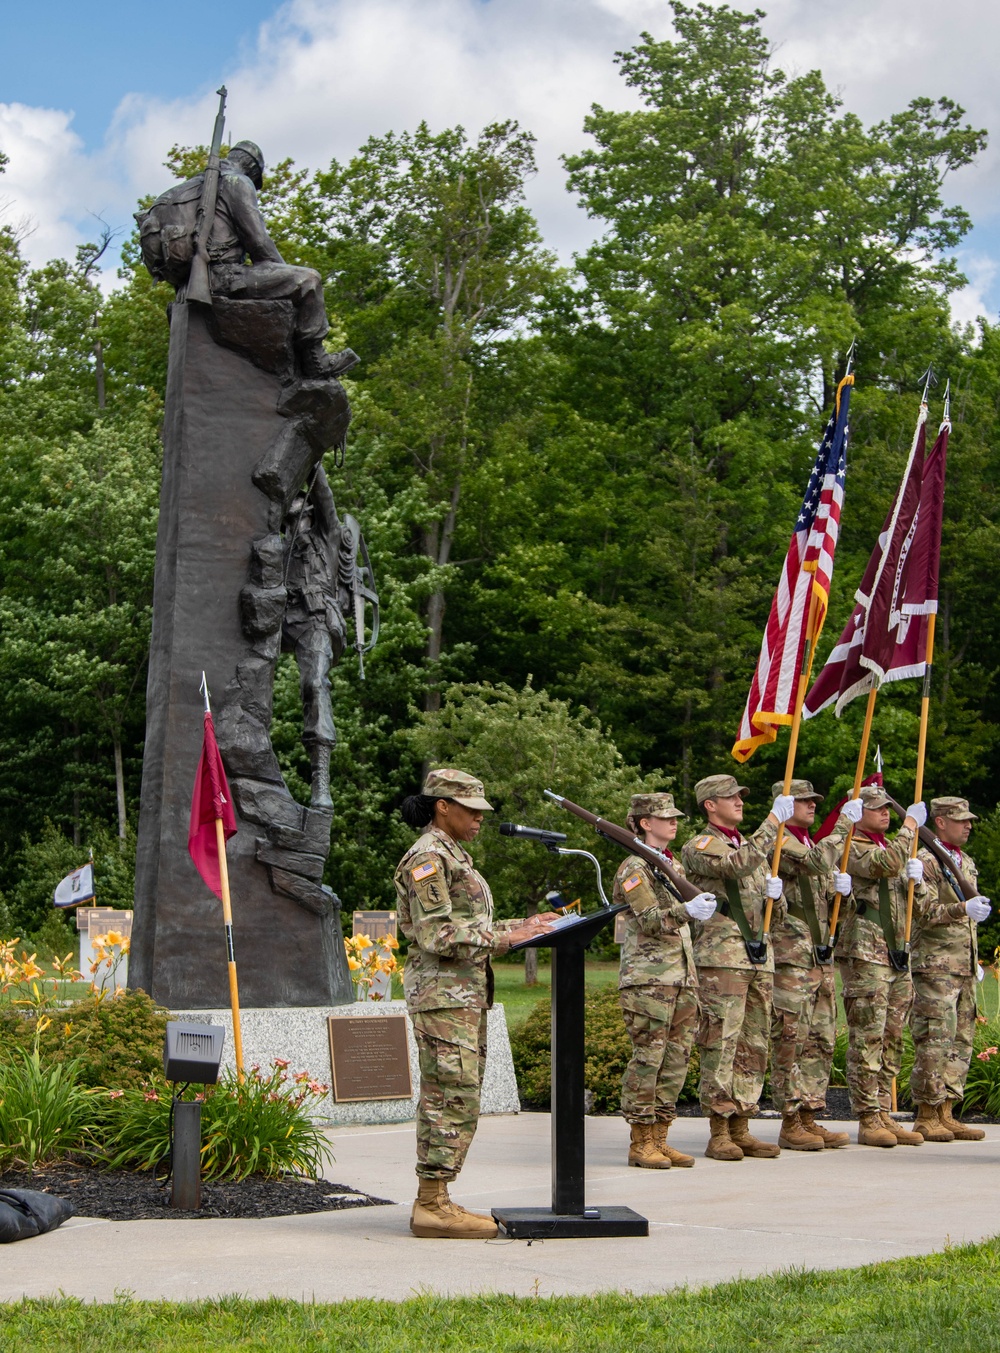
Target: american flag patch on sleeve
632 882
702 842
424 871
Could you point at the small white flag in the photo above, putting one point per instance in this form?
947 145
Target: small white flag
75 888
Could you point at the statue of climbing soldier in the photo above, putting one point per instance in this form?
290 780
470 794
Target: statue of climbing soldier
325 584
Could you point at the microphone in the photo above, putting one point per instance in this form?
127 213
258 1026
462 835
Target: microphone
531 833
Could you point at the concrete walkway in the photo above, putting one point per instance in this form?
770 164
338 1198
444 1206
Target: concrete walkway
832 1209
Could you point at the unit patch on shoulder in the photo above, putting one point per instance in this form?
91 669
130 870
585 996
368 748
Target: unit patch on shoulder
702 841
632 882
424 871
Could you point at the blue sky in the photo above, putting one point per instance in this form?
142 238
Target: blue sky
91 97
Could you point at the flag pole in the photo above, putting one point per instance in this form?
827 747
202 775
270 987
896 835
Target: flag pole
859 775
227 917
918 784
793 744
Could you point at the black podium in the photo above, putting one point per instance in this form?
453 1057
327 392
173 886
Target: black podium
569 1216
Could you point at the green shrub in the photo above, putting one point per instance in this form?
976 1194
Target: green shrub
44 1110
116 1042
258 1127
607 1051
54 939
982 1089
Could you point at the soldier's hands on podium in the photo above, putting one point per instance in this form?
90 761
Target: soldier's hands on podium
918 811
978 908
783 807
842 884
853 809
703 906
915 869
773 889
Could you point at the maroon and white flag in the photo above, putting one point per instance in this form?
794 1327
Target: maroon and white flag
886 636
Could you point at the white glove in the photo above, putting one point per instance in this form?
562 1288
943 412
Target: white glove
774 886
853 809
703 906
918 811
915 869
979 972
978 908
783 807
842 884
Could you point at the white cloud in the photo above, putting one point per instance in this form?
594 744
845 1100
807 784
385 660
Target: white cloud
970 303
323 75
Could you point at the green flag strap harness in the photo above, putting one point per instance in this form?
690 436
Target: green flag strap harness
806 913
899 958
756 948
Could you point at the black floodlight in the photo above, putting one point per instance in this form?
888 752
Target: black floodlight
193 1052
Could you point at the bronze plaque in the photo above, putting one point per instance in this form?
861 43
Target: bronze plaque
369 1057
375 924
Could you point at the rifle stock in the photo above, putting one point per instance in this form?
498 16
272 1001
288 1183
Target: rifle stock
198 283
938 851
621 836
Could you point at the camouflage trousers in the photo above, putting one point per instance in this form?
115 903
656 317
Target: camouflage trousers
451 1044
732 1038
943 1021
877 1000
803 1033
661 1023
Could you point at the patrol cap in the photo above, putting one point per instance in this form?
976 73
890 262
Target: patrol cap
801 789
956 809
653 805
718 787
874 796
458 785
252 149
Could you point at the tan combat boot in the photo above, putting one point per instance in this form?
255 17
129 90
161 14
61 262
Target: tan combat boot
903 1135
739 1132
929 1125
796 1136
720 1145
829 1139
643 1150
436 1217
672 1154
958 1130
873 1132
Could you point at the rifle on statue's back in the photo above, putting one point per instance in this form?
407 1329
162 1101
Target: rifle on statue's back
677 883
940 854
198 283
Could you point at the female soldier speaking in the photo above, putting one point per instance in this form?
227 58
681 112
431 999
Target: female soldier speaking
446 913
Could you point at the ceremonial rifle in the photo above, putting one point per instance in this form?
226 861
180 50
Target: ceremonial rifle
939 852
198 284
621 836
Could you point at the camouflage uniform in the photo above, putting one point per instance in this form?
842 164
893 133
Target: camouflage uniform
735 995
804 1020
943 961
446 912
877 998
657 982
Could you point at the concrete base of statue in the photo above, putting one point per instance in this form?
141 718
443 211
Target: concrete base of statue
300 1035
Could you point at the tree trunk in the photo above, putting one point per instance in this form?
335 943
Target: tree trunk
531 955
120 790
438 547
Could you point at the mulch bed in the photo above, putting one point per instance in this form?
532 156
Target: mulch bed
121 1195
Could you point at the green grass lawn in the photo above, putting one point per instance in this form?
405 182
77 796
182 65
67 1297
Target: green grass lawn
519 1000
946 1303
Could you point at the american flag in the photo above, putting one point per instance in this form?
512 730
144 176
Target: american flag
800 603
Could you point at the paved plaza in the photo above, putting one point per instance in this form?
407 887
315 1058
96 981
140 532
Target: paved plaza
854 1206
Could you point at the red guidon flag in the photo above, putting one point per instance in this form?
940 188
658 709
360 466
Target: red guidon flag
886 636
800 602
210 802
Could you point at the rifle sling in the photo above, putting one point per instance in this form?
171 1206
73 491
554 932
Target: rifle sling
807 912
736 911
